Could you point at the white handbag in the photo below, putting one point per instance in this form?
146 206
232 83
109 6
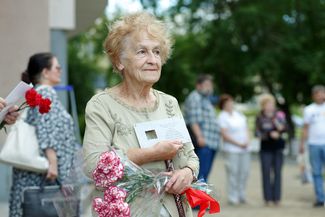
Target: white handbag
21 148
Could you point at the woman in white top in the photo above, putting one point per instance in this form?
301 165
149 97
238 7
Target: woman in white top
235 135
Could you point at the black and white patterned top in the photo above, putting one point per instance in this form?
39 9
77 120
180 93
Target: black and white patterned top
54 130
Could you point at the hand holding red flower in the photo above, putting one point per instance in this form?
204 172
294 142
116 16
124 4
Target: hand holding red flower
32 99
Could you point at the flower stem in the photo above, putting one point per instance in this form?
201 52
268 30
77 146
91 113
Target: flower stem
22 106
2 125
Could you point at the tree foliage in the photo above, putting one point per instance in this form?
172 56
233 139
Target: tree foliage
251 45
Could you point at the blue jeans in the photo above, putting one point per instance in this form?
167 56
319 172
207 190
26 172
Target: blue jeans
271 164
317 161
206 156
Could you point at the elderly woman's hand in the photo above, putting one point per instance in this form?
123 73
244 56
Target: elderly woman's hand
180 181
12 115
167 149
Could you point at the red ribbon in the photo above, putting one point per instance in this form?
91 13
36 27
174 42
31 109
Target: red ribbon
200 198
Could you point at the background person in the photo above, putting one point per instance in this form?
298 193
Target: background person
270 126
235 135
313 134
201 119
54 130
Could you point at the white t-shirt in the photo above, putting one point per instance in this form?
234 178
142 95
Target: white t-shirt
314 116
236 127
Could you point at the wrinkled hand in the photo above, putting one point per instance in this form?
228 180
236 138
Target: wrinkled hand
180 181
52 172
12 115
274 134
167 149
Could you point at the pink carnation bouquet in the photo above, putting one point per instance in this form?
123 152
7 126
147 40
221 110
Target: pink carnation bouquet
130 190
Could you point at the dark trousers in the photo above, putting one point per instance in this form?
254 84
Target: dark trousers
206 156
271 164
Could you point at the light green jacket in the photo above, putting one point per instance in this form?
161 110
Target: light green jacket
109 121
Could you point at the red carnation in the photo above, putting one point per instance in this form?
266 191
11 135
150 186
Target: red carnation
33 99
44 106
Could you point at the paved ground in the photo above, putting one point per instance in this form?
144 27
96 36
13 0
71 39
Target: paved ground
296 201
297 198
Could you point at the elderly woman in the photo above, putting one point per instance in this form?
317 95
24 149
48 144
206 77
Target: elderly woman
138 45
270 125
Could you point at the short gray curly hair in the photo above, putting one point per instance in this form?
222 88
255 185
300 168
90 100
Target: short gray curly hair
135 23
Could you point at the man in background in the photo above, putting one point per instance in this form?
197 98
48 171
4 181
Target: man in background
314 134
201 120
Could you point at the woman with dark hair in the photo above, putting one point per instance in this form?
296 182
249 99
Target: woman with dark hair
235 135
54 130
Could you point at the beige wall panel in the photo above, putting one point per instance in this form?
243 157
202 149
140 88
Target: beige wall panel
63 14
23 31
